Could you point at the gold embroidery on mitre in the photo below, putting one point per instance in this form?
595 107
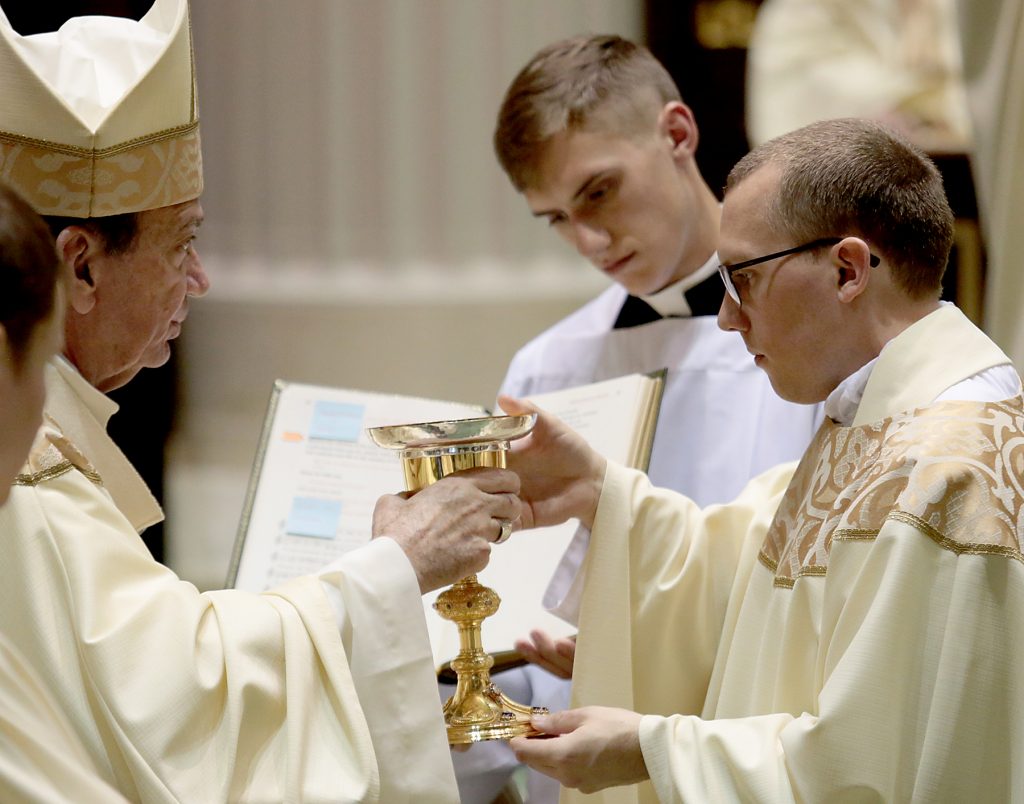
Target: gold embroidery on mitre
158 170
952 470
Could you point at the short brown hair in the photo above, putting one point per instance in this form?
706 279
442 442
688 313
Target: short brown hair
858 177
564 86
28 271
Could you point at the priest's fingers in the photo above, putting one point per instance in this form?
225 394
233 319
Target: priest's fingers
548 754
516 407
490 480
564 722
554 655
547 428
561 474
592 748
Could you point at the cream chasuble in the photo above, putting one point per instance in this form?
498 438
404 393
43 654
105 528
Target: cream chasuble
41 758
862 643
222 696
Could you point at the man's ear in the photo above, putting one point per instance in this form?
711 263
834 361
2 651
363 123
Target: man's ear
77 247
851 258
677 124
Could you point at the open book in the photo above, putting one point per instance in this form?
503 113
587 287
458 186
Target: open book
317 477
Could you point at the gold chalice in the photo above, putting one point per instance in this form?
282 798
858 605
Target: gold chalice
478 710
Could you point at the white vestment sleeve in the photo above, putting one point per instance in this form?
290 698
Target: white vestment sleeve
564 592
656 558
225 695
375 593
41 758
913 641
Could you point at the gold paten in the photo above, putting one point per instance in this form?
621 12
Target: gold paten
478 710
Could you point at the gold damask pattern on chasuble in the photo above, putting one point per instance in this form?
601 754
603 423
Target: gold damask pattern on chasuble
952 470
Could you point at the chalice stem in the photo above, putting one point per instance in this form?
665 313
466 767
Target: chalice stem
478 710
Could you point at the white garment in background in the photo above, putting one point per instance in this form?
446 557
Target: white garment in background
992 39
891 60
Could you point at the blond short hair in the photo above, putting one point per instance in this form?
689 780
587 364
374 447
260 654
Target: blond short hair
587 82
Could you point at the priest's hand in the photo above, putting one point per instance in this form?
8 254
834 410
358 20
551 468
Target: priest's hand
446 530
561 474
588 749
554 655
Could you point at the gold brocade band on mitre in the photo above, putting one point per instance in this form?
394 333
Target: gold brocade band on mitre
156 171
100 117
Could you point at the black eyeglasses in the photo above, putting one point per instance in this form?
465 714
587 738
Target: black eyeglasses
725 271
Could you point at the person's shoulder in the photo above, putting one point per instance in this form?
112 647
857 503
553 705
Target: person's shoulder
593 318
596 317
947 469
51 456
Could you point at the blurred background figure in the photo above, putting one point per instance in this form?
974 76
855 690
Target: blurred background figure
896 61
992 36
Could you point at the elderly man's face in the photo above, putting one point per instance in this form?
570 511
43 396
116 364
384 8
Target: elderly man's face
142 295
788 318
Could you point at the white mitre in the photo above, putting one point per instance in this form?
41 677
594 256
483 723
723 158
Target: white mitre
100 117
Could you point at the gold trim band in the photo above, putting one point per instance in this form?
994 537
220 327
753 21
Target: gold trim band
55 471
100 153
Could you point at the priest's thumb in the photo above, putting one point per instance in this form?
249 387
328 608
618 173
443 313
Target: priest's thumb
558 723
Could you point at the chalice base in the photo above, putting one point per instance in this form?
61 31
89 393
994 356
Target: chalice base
487 714
478 710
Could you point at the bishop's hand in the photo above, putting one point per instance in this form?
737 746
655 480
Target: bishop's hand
446 529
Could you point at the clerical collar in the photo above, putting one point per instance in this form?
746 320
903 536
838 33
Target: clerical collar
689 296
698 294
101 406
997 382
841 405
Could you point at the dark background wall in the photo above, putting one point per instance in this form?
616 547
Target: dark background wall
703 44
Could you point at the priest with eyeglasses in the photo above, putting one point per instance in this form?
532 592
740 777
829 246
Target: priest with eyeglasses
849 628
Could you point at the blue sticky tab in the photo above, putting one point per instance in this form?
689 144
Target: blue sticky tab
337 421
311 516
